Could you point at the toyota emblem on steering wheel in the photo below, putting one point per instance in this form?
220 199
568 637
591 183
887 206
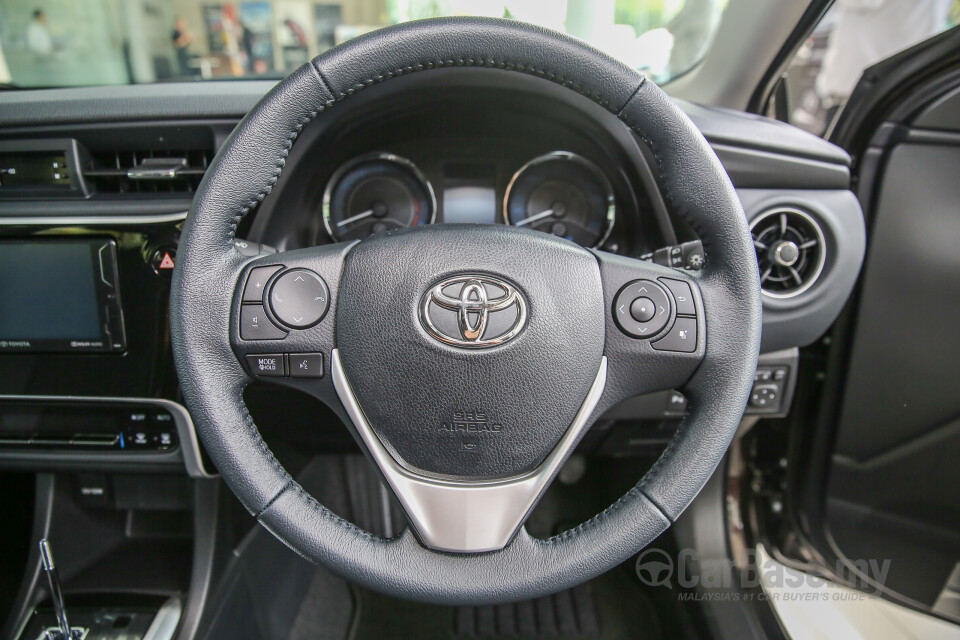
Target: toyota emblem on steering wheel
473 311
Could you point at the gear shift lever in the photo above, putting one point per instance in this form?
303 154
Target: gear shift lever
56 594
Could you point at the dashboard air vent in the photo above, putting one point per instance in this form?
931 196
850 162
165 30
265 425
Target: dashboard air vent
790 251
147 171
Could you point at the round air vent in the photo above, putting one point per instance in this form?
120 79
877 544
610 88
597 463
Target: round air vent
790 251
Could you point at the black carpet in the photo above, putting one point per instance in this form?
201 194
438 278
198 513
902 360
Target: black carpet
611 607
608 608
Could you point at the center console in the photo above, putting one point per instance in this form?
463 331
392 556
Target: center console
90 412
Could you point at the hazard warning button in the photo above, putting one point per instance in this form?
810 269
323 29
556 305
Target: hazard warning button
162 260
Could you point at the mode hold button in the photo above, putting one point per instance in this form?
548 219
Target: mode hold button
266 365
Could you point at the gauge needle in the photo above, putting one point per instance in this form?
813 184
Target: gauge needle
534 218
359 216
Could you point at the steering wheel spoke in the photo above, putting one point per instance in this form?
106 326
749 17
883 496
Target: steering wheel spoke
464 516
656 326
281 328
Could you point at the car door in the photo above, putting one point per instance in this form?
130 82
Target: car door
876 474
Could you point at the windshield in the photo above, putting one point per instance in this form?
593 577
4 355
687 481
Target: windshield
56 43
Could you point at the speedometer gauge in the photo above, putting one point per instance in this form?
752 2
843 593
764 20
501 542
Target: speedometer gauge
375 193
563 194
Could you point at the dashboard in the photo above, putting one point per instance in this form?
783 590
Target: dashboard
95 185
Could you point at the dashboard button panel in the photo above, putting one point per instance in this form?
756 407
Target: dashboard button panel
772 388
765 395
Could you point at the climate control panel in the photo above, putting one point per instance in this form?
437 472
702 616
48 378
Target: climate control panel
87 427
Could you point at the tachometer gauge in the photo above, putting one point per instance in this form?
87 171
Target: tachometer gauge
376 193
563 194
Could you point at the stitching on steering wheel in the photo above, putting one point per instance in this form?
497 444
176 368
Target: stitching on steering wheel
265 448
277 170
327 513
595 520
483 63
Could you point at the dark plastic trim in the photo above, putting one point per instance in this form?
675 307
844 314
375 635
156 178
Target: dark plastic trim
753 169
42 517
805 26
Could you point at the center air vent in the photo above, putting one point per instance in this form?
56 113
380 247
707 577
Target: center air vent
790 251
147 171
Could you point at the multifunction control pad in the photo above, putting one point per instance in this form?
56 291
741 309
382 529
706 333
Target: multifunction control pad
275 301
661 310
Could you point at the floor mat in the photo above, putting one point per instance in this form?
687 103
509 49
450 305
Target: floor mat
326 610
612 607
568 614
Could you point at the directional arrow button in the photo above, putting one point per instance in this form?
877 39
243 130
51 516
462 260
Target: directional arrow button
299 298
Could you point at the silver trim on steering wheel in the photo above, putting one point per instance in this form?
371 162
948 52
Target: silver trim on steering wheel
465 517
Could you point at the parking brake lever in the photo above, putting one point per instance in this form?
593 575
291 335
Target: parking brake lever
56 593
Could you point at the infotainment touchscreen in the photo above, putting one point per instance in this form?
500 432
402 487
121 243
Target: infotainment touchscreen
60 294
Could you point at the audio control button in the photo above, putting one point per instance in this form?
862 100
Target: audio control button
299 298
642 309
254 324
257 282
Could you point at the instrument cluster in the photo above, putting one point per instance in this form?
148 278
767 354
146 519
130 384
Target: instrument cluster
559 192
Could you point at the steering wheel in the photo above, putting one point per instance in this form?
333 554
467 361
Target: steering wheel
468 360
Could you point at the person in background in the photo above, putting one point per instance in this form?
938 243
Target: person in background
298 33
246 38
866 32
181 42
38 38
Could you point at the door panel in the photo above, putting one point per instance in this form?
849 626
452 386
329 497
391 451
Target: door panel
893 489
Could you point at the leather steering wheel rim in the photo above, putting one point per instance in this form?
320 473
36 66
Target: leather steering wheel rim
695 187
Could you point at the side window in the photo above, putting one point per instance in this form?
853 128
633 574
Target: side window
855 35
